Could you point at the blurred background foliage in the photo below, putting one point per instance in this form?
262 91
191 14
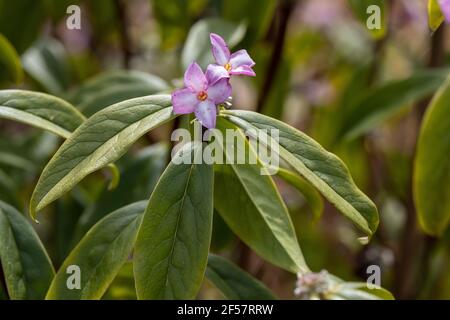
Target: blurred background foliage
361 94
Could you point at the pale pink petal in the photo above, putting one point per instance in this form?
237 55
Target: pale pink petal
206 112
220 49
219 91
184 101
194 78
243 70
241 58
445 8
214 73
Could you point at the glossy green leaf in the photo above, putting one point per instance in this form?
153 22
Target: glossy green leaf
115 86
382 102
47 63
99 141
10 61
311 195
435 16
27 268
99 255
198 45
359 291
432 165
234 283
325 171
123 286
172 247
40 110
254 210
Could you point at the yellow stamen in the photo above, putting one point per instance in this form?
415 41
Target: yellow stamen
202 96
227 67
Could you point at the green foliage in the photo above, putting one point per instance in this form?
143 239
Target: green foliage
234 283
40 110
435 16
99 141
432 165
27 268
99 255
172 246
322 169
256 212
9 61
360 9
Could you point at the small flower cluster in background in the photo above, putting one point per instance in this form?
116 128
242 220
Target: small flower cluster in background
204 91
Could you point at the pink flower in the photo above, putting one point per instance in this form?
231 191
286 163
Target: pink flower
445 8
201 95
228 64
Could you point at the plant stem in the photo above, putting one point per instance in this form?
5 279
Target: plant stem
284 11
123 29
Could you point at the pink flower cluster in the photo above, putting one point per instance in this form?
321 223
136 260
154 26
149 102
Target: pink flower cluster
204 91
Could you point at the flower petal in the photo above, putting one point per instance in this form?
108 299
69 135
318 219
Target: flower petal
445 8
241 58
184 101
214 73
194 78
219 49
243 70
219 91
206 112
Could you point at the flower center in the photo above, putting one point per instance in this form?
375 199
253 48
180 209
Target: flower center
227 67
202 96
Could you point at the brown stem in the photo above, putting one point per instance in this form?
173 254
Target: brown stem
283 13
124 36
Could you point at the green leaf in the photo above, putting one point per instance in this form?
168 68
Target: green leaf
40 110
47 63
139 177
359 291
252 207
99 141
173 241
15 161
311 195
115 86
432 165
10 60
435 16
198 45
234 283
382 102
26 265
324 170
100 255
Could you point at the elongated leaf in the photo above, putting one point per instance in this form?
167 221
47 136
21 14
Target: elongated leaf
100 255
432 165
251 205
359 291
9 61
173 241
234 283
326 172
26 265
198 45
115 86
435 16
311 195
365 9
47 63
382 102
13 160
99 141
40 110
139 177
